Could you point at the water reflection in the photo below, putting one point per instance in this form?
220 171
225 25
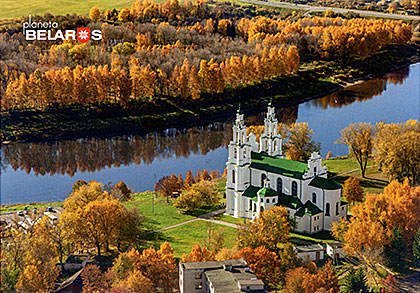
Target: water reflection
91 155
361 92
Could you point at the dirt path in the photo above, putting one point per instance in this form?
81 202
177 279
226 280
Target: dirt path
206 217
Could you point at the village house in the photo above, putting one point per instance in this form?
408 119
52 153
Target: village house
259 177
312 252
335 250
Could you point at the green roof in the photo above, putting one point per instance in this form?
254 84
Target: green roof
290 168
324 183
251 191
264 192
292 202
308 208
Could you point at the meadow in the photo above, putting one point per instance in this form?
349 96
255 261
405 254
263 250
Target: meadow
13 9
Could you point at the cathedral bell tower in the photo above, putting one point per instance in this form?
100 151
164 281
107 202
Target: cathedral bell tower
270 141
238 173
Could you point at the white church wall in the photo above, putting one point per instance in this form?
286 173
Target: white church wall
332 197
302 224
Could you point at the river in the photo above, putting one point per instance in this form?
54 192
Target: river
44 172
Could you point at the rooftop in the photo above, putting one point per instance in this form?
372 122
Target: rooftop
214 264
267 192
324 183
308 208
228 276
290 168
290 201
309 248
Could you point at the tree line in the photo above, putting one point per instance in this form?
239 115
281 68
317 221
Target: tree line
395 147
144 57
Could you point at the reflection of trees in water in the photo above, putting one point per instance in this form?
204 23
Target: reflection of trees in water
286 115
361 92
68 157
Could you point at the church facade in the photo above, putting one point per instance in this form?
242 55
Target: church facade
259 177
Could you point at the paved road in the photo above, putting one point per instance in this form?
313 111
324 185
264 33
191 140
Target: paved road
336 10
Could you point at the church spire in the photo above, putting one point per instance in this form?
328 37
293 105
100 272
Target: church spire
270 141
239 128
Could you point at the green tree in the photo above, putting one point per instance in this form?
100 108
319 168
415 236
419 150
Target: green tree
395 253
355 281
198 195
416 250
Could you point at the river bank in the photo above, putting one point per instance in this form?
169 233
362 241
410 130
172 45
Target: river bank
315 79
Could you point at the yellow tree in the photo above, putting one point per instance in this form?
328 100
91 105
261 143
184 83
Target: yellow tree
373 221
124 14
136 282
198 254
189 179
94 13
397 150
299 144
352 191
265 263
194 84
270 229
40 271
102 220
358 137
74 206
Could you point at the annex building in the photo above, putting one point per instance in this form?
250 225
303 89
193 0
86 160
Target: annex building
229 276
259 176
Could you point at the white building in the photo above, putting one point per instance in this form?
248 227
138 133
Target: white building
259 176
229 276
308 253
335 250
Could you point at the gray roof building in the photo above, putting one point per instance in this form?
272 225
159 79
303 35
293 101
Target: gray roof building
230 276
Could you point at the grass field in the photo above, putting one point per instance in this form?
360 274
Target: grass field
158 213
374 182
13 8
182 238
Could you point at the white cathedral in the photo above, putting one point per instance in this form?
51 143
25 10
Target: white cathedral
259 177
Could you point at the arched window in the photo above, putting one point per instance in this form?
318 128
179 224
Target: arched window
233 176
327 209
268 200
337 209
294 188
314 170
261 209
234 153
279 185
263 177
314 197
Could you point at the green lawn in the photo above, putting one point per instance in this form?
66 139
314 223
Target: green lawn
13 9
229 219
374 182
158 213
182 238
323 236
